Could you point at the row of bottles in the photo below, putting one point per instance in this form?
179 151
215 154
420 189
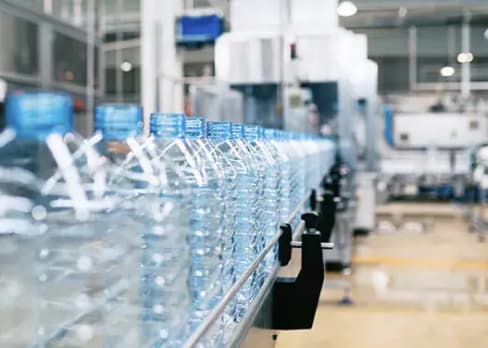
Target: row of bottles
126 240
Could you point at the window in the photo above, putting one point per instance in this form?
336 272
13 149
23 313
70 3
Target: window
19 45
70 58
389 48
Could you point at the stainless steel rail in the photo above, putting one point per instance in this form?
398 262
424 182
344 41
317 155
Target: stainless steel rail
206 324
252 311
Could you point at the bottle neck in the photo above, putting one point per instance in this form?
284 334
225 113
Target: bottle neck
237 131
118 122
196 128
168 126
219 130
252 133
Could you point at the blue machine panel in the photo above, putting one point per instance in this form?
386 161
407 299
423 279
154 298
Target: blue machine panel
388 131
199 29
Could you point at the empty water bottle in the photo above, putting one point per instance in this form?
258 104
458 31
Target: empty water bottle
205 237
157 196
268 192
74 246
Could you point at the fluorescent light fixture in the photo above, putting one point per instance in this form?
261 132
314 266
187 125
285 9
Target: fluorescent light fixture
346 9
126 66
447 71
465 57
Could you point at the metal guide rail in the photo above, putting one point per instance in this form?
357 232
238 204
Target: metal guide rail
281 289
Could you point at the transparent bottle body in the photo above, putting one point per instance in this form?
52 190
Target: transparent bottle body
18 232
225 171
158 194
296 178
276 192
75 277
244 237
205 237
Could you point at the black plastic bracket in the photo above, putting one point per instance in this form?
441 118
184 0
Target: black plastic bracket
313 200
284 244
327 216
295 300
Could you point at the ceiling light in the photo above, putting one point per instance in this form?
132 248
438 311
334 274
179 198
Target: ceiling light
465 57
447 71
346 9
126 66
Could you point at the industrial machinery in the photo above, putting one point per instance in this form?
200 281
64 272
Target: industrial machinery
301 72
418 163
283 303
366 184
219 102
478 207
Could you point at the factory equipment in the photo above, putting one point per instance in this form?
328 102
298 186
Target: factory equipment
218 101
251 64
304 73
298 114
340 184
427 155
364 221
478 208
282 303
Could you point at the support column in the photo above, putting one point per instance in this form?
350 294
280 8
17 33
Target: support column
466 67
161 65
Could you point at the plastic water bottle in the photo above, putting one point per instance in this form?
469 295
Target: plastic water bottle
157 195
23 148
277 190
327 149
229 141
219 137
252 134
57 196
269 177
222 177
299 177
205 177
218 191
275 139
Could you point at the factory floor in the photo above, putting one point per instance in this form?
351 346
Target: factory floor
419 280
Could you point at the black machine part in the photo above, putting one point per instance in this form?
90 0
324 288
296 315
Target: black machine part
295 300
